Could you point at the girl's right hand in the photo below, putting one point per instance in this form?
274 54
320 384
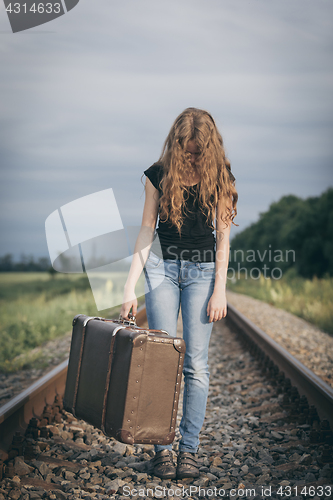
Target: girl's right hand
129 302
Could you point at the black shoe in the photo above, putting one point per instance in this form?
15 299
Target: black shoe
163 466
187 465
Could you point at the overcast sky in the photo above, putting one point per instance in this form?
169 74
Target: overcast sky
88 99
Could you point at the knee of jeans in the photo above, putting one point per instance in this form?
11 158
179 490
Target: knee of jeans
196 372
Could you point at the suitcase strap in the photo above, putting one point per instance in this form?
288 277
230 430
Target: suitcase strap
80 362
107 382
108 375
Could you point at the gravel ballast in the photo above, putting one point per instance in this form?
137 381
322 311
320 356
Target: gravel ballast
247 442
310 345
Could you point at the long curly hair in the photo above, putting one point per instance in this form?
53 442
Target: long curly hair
216 180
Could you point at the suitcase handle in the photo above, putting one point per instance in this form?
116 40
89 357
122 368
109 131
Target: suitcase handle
130 321
126 322
132 324
150 332
159 331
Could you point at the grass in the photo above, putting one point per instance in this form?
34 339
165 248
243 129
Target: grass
311 300
36 308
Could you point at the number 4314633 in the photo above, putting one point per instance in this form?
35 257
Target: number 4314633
36 8
319 491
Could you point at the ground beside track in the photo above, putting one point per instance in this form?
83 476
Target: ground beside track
247 441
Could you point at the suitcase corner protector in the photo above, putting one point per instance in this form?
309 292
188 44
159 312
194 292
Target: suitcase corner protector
125 436
169 438
140 339
179 345
75 319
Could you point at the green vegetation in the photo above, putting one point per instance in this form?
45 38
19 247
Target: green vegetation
293 233
311 300
293 239
286 258
27 264
35 308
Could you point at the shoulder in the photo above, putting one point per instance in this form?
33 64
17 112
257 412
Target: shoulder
155 169
155 174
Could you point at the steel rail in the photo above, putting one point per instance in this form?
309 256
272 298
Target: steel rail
318 393
15 415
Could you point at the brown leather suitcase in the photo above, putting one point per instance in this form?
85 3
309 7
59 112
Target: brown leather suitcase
124 380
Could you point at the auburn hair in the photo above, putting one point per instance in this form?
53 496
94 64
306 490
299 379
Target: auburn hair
217 183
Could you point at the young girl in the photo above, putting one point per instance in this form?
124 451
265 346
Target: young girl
192 189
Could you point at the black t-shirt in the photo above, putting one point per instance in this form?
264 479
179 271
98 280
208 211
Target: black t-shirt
196 242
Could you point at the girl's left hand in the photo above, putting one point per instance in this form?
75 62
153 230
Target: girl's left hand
217 306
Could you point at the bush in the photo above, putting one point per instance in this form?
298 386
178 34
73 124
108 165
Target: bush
302 227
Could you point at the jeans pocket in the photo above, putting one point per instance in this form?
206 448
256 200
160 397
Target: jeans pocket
153 261
207 267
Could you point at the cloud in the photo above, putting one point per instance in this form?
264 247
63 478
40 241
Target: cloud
89 105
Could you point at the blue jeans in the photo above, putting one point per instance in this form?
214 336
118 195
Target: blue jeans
169 283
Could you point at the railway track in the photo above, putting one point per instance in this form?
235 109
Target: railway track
284 368
290 407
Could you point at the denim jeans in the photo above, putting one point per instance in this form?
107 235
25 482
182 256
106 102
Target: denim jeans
169 283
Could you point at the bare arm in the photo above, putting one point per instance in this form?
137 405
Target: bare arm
141 250
217 306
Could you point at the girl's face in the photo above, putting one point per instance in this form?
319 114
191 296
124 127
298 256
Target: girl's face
193 151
